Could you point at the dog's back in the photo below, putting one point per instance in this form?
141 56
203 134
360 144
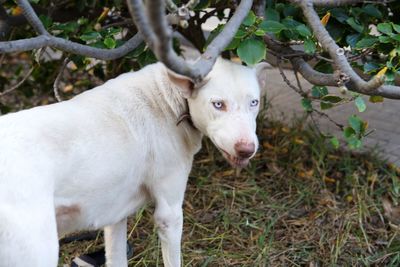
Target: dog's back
90 161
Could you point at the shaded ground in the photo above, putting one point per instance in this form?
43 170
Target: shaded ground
300 203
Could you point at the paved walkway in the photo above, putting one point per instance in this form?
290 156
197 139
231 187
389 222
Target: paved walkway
383 117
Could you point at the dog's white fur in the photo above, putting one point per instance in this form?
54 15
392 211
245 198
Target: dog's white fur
90 162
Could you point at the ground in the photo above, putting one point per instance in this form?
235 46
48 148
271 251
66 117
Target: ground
299 203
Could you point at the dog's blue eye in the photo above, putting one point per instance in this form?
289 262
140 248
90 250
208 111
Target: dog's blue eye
254 103
218 105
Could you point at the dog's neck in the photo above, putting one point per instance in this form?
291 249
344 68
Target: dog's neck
186 117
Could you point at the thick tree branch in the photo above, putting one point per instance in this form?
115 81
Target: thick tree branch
356 83
336 3
323 79
70 47
224 38
160 40
138 14
300 65
45 39
31 17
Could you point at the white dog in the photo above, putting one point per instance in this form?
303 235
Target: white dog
90 162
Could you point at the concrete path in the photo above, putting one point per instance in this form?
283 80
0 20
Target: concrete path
384 117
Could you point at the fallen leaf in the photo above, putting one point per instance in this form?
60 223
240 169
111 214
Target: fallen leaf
325 18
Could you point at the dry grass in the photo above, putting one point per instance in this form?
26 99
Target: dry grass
300 203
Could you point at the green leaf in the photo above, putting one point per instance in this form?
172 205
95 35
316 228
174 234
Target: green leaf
360 104
376 99
372 11
354 24
354 142
250 19
335 142
348 131
319 91
251 51
234 44
34 1
389 76
356 123
272 14
290 23
371 67
47 21
259 32
396 27
82 21
306 104
90 36
396 37
336 31
109 42
352 39
384 39
385 28
272 26
326 105
66 27
339 14
309 46
303 30
367 42
290 11
332 99
240 33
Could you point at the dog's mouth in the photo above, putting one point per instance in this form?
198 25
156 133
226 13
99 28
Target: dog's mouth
235 162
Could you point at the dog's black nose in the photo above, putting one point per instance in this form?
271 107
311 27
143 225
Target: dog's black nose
244 150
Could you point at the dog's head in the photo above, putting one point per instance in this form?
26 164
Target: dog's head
225 108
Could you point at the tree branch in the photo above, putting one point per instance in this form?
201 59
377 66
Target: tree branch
26 76
31 17
336 3
224 38
45 39
356 83
70 47
158 36
323 79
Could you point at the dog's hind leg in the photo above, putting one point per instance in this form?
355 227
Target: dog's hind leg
115 242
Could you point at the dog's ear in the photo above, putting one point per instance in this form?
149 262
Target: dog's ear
185 84
261 74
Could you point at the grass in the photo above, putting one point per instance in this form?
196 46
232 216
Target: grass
299 203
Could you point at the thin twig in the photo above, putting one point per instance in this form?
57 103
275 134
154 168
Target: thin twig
58 79
18 84
296 74
322 114
158 36
286 80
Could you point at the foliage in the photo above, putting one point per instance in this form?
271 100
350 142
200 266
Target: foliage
370 34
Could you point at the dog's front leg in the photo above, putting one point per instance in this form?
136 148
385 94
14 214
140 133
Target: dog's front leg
169 220
115 242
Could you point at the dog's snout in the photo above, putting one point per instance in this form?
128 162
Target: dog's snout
244 150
